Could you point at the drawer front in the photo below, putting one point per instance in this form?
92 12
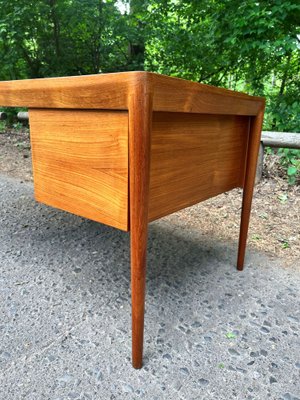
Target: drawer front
80 162
194 157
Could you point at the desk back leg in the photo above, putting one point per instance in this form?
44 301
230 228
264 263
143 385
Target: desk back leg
140 118
252 155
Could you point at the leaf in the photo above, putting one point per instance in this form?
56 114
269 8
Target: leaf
231 335
292 180
263 215
282 198
291 171
256 237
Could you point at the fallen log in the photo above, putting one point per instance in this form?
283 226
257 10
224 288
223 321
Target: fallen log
23 116
3 116
281 139
287 140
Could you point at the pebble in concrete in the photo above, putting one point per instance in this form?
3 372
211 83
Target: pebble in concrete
211 332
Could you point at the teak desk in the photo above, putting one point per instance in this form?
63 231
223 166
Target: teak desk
125 149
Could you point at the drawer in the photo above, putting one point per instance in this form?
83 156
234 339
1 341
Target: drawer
80 162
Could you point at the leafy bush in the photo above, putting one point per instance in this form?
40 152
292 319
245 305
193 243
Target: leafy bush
290 159
12 119
2 126
247 45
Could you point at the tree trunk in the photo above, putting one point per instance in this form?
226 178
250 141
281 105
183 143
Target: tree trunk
56 27
282 86
136 48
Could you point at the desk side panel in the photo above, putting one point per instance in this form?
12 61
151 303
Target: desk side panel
80 162
194 157
178 95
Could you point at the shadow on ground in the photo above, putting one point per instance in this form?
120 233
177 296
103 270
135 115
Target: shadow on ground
211 332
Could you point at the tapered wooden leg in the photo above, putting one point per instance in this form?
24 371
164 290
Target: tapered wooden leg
140 117
138 277
252 155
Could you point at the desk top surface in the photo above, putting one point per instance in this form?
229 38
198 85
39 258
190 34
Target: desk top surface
112 91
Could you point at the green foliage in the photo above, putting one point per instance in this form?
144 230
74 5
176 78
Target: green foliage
11 113
256 237
248 45
230 335
18 126
290 159
283 198
62 37
285 244
2 126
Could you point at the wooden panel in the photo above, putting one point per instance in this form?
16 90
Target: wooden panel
179 95
112 91
194 157
80 163
105 91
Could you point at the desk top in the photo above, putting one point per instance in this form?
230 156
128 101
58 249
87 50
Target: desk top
112 91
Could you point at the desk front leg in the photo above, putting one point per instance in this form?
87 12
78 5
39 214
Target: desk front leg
140 118
249 181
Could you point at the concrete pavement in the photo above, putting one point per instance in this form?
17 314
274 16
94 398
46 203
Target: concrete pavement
210 331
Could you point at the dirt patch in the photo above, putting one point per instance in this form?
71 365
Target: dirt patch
15 154
275 220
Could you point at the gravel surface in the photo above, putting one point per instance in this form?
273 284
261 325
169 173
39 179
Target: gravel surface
211 332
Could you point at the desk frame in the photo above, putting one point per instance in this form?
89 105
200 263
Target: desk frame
141 94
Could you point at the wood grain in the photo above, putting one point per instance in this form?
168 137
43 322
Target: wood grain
194 157
80 163
249 180
112 91
162 145
105 91
178 95
140 118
